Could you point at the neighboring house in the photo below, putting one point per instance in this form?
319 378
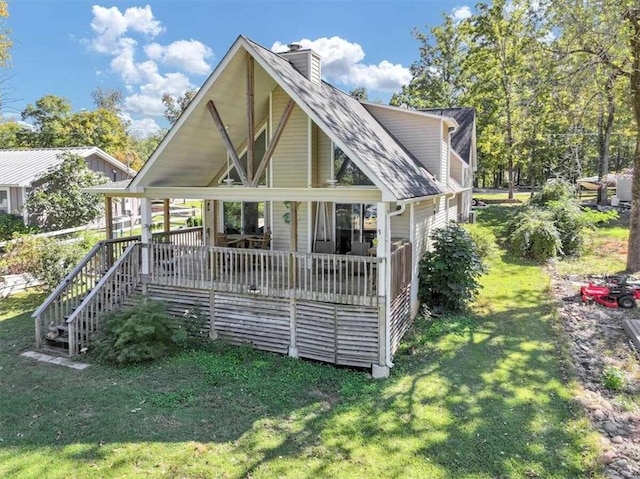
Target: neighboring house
20 168
333 201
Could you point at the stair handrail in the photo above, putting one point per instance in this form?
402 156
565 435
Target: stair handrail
67 279
97 290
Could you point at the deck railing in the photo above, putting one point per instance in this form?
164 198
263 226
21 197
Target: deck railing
110 293
401 269
311 276
77 284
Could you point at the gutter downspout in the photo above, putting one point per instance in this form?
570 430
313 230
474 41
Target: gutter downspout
387 335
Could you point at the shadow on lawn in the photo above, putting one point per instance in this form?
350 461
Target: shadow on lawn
472 397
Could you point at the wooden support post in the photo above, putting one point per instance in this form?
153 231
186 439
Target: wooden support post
145 212
212 315
250 119
294 225
108 217
227 141
381 370
293 347
167 216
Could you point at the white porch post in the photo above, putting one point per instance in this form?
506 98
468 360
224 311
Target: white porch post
381 370
145 213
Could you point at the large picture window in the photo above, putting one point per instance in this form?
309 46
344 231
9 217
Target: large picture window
259 148
355 223
346 172
244 218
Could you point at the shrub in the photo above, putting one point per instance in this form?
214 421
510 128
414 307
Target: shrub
554 190
11 225
137 334
613 378
43 258
572 226
449 273
484 240
194 221
534 235
600 218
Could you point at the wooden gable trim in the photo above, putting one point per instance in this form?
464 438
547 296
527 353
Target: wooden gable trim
274 142
250 116
227 141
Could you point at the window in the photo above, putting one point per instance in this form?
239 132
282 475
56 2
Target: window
346 172
355 223
244 217
4 201
259 148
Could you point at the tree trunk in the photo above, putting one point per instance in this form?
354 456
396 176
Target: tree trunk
633 254
510 147
605 141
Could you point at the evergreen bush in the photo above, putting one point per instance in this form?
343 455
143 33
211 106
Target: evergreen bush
138 334
449 273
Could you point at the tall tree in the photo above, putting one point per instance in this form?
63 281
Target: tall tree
58 202
173 107
633 255
49 116
109 99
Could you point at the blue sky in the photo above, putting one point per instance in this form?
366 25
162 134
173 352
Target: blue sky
69 47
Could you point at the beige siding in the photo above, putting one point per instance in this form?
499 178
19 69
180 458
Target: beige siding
440 216
400 225
444 158
281 231
422 217
290 159
315 131
315 71
453 209
324 159
420 135
456 169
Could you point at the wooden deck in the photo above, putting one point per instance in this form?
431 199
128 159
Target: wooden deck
632 327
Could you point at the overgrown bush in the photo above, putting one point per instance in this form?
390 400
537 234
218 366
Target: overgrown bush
45 259
572 225
138 334
484 240
13 224
554 190
194 221
534 235
449 273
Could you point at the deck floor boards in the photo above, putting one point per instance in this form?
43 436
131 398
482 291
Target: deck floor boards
632 327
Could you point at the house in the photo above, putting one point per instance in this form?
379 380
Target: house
20 168
318 208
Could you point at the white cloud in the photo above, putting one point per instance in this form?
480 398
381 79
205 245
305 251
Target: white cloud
459 14
141 128
121 35
188 55
110 24
342 62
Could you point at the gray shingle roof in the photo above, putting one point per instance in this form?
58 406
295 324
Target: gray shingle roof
462 138
20 167
365 139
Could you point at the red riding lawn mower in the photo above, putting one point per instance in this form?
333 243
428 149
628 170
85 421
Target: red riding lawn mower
612 292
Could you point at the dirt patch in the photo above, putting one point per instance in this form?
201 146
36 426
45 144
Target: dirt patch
597 342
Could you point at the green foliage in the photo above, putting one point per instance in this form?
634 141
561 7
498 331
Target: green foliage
138 334
449 273
571 224
555 190
58 202
13 224
44 258
194 221
484 240
600 218
534 235
613 378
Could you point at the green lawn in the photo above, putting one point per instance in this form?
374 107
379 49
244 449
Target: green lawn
476 396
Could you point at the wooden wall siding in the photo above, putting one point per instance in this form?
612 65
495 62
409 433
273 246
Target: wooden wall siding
400 225
444 158
337 334
183 304
290 159
324 159
15 200
261 322
98 164
316 330
399 318
357 342
421 136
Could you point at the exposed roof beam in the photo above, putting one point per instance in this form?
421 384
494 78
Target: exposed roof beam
250 114
274 142
227 141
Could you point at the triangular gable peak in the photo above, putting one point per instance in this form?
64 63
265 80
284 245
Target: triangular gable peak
193 153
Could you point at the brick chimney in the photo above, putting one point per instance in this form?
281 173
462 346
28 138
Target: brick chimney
306 61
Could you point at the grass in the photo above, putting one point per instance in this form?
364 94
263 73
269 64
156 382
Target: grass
475 396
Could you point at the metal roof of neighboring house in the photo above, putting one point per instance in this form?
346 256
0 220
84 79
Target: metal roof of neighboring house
20 167
462 138
361 135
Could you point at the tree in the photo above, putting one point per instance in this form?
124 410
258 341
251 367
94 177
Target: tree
108 99
5 41
101 127
173 107
633 255
49 116
57 201
359 93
